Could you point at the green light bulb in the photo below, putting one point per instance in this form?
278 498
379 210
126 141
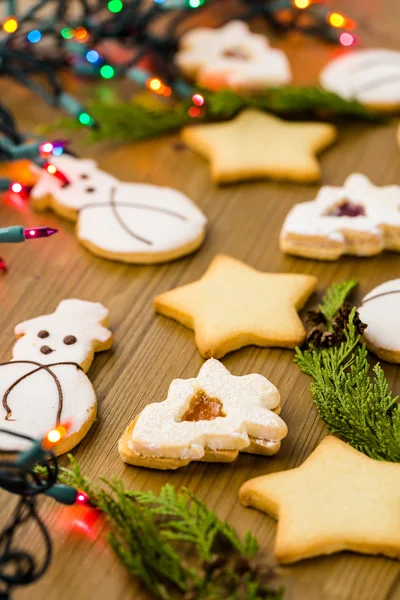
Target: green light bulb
67 33
85 119
107 72
195 3
115 6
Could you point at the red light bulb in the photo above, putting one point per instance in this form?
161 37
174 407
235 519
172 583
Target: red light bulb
83 499
16 187
198 99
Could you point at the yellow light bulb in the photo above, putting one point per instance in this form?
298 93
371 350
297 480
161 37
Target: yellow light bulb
54 436
337 20
301 3
10 25
155 84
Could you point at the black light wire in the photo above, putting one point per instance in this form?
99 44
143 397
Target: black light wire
20 567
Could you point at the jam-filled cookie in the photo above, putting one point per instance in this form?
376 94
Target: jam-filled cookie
232 57
359 219
210 418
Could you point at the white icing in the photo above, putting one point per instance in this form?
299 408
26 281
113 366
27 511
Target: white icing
246 401
382 316
202 51
381 206
34 401
97 222
370 76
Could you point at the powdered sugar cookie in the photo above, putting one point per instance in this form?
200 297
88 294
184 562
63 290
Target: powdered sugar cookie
380 309
45 382
232 57
129 222
371 76
210 418
359 218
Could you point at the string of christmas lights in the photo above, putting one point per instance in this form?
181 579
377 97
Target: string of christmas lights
35 42
19 476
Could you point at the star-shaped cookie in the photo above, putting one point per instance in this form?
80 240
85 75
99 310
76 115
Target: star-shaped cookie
234 305
339 499
256 145
358 218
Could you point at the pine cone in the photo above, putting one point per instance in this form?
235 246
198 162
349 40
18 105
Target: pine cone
315 317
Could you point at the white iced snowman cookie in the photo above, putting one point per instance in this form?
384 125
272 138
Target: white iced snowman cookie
359 218
370 76
380 309
232 57
130 222
210 418
45 384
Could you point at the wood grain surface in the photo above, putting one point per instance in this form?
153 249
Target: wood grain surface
149 351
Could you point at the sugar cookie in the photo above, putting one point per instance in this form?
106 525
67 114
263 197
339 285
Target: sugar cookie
129 222
234 305
371 76
232 57
338 499
45 382
380 308
359 218
257 145
210 418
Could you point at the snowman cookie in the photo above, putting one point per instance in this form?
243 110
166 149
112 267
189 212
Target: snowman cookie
129 222
210 418
359 219
232 57
45 384
371 76
380 309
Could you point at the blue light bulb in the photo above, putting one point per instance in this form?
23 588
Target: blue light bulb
34 36
92 56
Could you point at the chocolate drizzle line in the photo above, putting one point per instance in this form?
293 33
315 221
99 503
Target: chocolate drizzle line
115 205
40 367
380 296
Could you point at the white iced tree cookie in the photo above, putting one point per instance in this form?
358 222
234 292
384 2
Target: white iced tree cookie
359 218
130 222
371 76
232 57
45 384
380 309
209 418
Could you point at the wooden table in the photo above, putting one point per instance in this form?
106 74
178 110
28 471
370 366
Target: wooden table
149 351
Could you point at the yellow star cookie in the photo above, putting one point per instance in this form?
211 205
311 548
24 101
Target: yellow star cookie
233 305
257 145
339 499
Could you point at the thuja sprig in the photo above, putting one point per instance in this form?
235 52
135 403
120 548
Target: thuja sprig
354 403
131 121
175 545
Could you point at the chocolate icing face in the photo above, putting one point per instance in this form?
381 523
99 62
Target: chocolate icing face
43 333
347 209
46 350
69 340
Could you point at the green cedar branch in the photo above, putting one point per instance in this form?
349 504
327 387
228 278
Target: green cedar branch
175 545
334 299
132 121
354 403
